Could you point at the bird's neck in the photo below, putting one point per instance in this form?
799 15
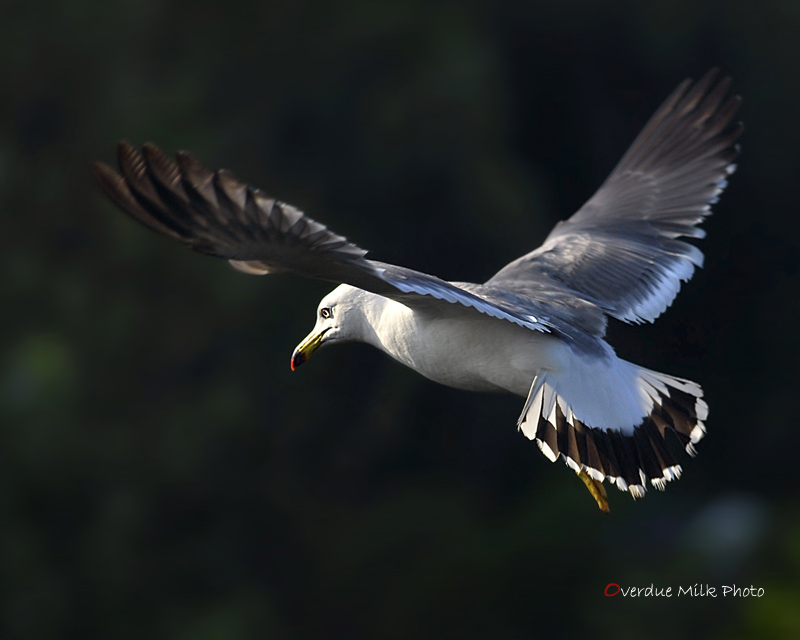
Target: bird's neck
376 320
393 328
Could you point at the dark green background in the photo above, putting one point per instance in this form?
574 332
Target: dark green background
162 472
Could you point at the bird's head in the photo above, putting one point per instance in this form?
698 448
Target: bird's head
339 319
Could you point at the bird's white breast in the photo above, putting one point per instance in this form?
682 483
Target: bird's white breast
464 349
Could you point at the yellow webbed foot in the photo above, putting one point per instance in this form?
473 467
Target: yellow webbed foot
597 490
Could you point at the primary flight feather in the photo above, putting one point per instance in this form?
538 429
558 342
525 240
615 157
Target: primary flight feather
536 328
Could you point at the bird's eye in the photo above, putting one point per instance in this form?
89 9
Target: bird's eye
325 313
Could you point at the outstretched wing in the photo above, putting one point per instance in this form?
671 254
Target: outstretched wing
216 214
621 250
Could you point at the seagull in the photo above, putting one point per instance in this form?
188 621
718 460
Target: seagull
535 328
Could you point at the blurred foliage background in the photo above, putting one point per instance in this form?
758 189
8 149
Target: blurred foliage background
164 475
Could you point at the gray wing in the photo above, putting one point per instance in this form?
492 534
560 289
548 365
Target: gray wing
621 250
217 215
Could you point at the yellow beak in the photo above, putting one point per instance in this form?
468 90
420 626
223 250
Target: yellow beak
306 348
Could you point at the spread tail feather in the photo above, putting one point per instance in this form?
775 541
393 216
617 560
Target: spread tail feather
628 460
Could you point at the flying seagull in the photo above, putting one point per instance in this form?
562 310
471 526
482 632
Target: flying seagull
536 328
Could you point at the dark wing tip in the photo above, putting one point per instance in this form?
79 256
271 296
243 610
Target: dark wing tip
117 188
213 212
112 183
192 168
130 161
104 175
695 118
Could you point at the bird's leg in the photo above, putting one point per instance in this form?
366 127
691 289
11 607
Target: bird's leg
597 490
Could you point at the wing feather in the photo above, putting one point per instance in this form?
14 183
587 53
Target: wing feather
215 214
621 250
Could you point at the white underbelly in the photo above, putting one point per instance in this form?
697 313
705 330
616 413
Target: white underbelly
468 351
474 352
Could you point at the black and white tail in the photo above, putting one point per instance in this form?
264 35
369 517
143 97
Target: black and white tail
628 457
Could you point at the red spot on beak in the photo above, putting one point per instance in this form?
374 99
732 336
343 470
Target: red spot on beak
298 358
